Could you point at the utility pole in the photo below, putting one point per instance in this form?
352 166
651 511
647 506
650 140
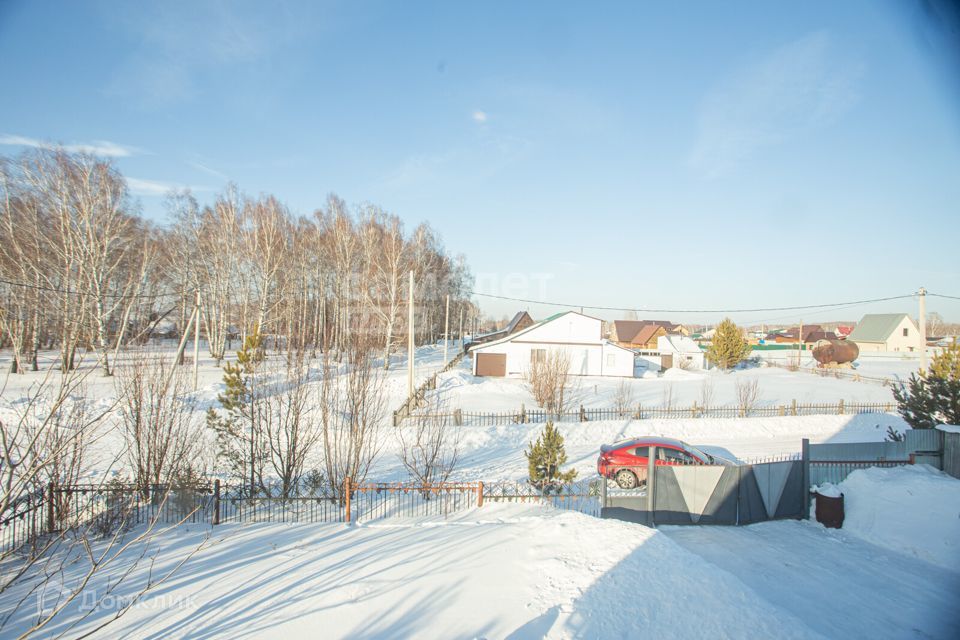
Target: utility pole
799 343
196 342
460 332
923 328
446 331
410 340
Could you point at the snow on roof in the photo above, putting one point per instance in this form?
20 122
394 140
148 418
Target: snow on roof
677 344
949 428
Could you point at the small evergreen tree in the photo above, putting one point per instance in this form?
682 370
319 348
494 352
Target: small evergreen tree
237 437
932 397
544 459
728 347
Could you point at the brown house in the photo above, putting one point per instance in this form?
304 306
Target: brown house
811 333
521 320
636 334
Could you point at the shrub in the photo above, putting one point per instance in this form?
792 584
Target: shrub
544 459
932 397
728 347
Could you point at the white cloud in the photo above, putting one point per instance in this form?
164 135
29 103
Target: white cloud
479 116
103 148
153 188
804 85
208 170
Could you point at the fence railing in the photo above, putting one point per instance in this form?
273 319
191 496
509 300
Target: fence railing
640 412
416 400
102 509
836 471
836 372
581 495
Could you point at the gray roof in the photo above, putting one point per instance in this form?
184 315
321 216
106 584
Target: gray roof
877 327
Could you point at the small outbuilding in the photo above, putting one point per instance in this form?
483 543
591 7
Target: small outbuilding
578 335
680 352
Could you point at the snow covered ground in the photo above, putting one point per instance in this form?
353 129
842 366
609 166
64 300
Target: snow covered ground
512 571
521 571
680 388
496 453
887 364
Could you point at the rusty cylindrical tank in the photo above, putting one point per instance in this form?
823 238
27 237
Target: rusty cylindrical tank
835 351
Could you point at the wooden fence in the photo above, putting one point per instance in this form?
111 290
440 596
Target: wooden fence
640 412
836 372
416 400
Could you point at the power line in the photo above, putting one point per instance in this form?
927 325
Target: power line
940 295
647 310
40 287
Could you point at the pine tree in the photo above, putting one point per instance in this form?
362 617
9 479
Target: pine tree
237 441
544 459
932 397
728 347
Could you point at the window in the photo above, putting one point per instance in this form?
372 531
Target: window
641 452
906 332
611 359
675 456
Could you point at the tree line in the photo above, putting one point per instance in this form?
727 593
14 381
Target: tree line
82 269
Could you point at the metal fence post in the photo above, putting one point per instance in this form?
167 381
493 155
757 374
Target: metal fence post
346 493
805 485
651 484
216 501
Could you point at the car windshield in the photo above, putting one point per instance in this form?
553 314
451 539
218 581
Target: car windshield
706 457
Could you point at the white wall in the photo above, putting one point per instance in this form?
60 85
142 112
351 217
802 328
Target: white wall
571 327
578 336
616 361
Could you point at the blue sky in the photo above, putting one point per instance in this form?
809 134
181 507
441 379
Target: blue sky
709 156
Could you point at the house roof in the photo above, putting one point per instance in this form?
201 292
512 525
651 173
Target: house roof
639 331
877 327
528 329
627 329
516 320
677 344
646 333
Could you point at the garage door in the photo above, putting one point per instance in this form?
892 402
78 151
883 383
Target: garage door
492 364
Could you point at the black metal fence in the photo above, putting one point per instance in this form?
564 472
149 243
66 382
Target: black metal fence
102 509
640 412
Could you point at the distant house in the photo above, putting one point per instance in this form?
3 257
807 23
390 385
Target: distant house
886 332
811 333
520 321
578 335
680 352
637 334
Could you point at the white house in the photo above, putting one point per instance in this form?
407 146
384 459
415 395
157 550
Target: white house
886 332
578 335
680 352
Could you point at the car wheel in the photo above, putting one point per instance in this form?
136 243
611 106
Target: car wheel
626 479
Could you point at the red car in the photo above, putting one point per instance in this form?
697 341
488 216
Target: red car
626 461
